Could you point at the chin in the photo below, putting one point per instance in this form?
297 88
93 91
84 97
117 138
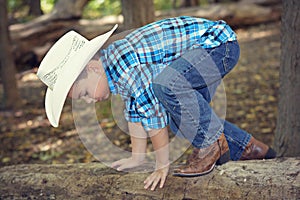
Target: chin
106 97
103 98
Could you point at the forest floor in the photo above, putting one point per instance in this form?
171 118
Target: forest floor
251 95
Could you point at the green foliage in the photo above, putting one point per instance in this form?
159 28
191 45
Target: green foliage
17 5
172 4
47 5
13 4
94 9
100 8
18 11
163 5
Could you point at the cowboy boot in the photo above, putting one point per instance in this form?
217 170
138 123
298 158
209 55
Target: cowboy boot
202 161
257 150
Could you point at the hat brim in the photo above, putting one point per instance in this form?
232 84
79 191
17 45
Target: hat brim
55 99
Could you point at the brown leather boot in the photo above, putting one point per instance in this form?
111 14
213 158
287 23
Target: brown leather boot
257 150
202 161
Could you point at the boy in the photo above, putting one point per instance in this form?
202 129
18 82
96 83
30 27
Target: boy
167 73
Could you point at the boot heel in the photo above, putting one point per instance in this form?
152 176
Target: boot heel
224 158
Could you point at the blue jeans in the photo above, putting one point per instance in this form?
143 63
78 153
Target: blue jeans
186 88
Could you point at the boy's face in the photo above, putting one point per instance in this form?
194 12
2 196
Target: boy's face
93 85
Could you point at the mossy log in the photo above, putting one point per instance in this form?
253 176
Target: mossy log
257 179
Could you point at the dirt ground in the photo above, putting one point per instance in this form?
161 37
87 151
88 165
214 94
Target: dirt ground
251 94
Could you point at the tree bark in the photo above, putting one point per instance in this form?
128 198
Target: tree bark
189 3
262 2
287 135
137 13
7 65
256 179
69 9
35 8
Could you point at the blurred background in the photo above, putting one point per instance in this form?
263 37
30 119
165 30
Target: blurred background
30 27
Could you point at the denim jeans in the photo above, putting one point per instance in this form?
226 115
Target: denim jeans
186 88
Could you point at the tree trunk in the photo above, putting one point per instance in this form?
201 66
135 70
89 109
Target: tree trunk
35 8
189 3
237 15
137 13
69 9
287 136
262 2
257 179
7 65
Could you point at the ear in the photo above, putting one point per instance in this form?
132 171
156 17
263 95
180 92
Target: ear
94 66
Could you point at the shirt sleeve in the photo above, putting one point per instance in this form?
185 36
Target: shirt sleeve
146 109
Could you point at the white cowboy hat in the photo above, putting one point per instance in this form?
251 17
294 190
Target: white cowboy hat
62 65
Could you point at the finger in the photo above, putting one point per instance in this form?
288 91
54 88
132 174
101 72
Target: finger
124 166
149 178
162 181
121 164
117 163
147 184
148 181
155 182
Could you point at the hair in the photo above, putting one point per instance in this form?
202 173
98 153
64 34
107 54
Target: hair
82 75
97 56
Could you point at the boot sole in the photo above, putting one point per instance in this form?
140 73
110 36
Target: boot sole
223 159
181 174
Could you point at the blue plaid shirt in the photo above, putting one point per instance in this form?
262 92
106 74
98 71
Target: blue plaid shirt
132 63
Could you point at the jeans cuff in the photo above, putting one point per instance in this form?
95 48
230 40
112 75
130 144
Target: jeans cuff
239 153
209 141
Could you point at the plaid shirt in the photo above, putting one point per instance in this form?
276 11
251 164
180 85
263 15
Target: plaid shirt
132 63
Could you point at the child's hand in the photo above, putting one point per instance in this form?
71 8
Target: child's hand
159 175
127 163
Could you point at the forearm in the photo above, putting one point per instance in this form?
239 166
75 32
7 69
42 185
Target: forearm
138 138
160 142
139 143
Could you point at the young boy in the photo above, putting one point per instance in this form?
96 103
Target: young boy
167 73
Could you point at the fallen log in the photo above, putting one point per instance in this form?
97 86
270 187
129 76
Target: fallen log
235 14
33 39
257 179
262 2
